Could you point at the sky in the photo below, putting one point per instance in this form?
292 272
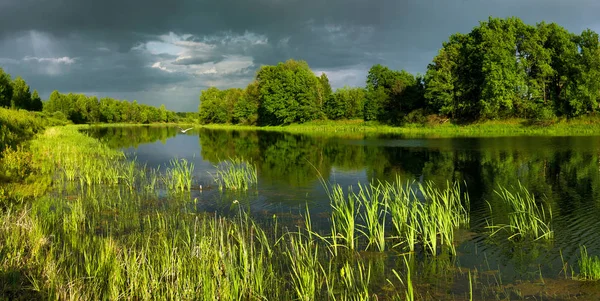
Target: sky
166 52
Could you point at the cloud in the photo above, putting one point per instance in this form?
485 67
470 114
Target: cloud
52 60
158 66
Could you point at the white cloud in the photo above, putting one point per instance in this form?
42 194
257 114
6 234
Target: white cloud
158 65
53 60
215 59
51 65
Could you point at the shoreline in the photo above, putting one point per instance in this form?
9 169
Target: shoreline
505 128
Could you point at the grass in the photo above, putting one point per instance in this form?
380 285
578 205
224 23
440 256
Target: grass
97 239
510 127
235 174
179 175
527 218
589 266
420 214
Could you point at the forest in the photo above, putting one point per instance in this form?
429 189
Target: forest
502 69
79 108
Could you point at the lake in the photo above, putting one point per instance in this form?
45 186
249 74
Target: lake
564 172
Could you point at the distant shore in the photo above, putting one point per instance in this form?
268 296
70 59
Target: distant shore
511 127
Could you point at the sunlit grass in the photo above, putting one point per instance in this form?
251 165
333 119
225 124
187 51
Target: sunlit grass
527 218
235 174
509 127
589 266
179 175
420 215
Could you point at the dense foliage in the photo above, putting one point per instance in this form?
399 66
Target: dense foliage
80 108
503 68
17 126
16 94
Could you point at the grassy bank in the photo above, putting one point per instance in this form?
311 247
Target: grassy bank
17 126
512 127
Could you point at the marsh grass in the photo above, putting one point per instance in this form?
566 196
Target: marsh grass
235 174
527 218
589 266
179 175
420 215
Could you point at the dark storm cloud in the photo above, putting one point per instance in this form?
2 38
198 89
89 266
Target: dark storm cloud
169 50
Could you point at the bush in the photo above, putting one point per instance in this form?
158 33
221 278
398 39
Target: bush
416 116
17 163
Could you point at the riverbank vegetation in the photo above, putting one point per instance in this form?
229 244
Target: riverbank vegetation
111 228
584 125
502 69
80 108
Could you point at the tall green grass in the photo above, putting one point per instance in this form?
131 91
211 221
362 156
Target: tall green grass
179 175
527 217
235 174
420 215
589 266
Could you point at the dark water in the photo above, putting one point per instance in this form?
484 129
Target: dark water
563 170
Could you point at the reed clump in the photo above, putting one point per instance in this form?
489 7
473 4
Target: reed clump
235 174
589 266
179 175
527 217
420 215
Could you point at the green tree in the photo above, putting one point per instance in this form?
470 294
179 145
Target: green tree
246 109
36 102
324 89
391 94
163 113
6 89
21 97
346 103
211 108
289 92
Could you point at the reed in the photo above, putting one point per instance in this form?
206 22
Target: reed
306 270
527 218
374 214
589 266
235 174
179 175
343 218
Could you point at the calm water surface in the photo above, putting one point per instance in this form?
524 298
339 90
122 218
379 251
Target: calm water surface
563 170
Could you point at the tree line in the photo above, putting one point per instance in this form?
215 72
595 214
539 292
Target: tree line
80 108
16 94
503 68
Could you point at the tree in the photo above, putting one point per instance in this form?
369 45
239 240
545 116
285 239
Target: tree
211 108
391 94
21 97
163 113
346 103
6 89
246 109
36 102
289 92
325 91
